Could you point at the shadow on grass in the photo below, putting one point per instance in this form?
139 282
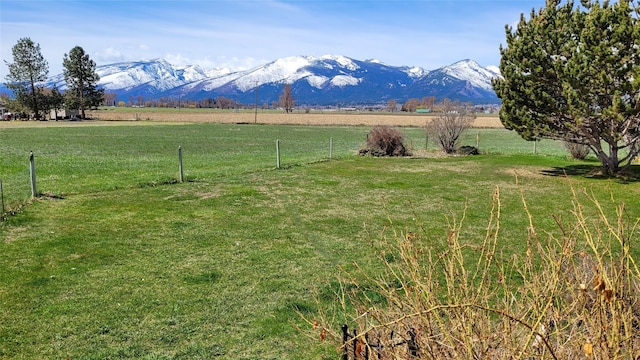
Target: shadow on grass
630 175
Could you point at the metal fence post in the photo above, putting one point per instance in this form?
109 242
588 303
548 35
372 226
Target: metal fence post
345 338
180 164
330 148
32 171
1 197
277 154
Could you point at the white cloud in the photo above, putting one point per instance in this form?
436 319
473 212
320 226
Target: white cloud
108 55
241 35
233 63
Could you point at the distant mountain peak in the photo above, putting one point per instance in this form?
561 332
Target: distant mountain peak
326 79
471 71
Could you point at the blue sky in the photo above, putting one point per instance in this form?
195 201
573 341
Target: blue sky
240 34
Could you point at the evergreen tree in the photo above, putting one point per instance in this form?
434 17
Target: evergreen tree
28 69
56 100
572 73
82 80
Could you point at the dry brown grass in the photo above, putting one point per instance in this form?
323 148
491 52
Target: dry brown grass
116 117
326 118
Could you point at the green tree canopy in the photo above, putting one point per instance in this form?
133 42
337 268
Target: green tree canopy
82 80
56 101
28 69
572 72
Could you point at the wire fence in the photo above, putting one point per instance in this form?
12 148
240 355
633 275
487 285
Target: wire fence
76 160
24 184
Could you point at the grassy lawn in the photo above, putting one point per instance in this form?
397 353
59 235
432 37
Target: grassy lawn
123 262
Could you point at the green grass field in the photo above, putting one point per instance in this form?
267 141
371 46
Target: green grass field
120 261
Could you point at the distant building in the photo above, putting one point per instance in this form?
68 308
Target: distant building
63 114
4 113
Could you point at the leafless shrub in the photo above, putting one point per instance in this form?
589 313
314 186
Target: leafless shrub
385 141
567 297
454 117
577 151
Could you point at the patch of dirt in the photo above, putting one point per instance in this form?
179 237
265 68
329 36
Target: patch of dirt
207 195
534 173
14 233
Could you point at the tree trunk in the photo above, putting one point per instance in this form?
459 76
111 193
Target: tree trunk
82 98
35 99
609 161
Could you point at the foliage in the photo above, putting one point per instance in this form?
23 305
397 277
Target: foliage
385 141
453 119
28 69
12 105
57 100
573 73
565 297
82 81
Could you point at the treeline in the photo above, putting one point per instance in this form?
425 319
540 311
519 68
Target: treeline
218 102
29 70
222 102
286 101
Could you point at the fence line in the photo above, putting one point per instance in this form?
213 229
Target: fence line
181 174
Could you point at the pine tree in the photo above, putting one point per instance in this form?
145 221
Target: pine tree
56 101
572 73
28 69
82 80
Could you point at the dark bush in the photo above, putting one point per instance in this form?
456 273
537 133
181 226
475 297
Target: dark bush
468 150
385 141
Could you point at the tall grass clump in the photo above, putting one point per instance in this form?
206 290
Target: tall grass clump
572 293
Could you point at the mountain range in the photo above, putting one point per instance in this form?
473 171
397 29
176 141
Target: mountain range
324 80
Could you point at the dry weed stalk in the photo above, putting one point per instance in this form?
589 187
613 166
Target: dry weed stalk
575 295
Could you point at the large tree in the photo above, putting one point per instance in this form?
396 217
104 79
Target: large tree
27 70
286 100
82 80
573 73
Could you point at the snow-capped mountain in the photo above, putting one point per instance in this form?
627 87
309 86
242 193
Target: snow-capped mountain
147 78
329 79
464 80
315 80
